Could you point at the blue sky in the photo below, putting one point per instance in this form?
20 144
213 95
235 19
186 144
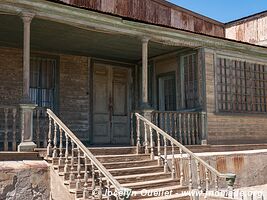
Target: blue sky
223 10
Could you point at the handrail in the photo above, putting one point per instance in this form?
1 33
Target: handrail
87 152
164 134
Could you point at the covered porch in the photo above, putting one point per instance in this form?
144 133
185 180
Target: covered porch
94 79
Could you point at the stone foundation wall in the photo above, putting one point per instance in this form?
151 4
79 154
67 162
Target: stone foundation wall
24 180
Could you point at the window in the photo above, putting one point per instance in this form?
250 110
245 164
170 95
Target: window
167 93
42 81
241 86
190 81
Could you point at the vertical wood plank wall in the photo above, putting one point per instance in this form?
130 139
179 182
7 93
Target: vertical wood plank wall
256 25
154 11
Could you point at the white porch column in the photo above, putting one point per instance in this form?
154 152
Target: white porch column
27 18
144 72
26 108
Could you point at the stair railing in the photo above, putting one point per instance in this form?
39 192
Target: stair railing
202 178
60 130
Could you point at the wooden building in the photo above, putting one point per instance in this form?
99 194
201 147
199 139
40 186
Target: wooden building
139 79
251 29
95 62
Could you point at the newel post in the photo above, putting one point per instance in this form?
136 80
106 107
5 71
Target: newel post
230 180
203 121
26 107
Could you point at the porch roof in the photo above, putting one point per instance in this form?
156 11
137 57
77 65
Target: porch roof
56 37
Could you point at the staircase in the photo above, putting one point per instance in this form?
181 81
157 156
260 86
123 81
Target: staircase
149 171
138 172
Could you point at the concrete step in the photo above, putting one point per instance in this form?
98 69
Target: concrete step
138 163
142 177
122 158
136 170
148 185
112 150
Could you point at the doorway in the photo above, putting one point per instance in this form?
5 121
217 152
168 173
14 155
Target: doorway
110 105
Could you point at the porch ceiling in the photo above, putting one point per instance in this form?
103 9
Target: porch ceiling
61 38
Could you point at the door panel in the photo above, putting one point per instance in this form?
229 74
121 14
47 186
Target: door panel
101 117
120 132
110 111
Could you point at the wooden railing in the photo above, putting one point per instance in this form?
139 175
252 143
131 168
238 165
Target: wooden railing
59 133
186 127
40 127
10 135
9 127
155 140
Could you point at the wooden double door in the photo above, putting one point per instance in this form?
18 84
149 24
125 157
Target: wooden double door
110 105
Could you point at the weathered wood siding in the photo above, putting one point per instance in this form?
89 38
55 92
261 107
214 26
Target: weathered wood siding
154 11
230 128
252 30
73 87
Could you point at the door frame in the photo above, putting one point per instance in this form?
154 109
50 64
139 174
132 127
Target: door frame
171 74
112 63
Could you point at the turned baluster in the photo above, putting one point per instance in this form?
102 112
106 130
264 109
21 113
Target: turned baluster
170 125
146 142
138 144
216 183
207 179
165 156
100 193
173 162
198 175
197 128
6 130
157 119
151 143
181 167
38 127
14 142
159 154
85 185
44 130
55 140
175 126
190 173
166 122
184 129
60 162
93 181
180 128
132 132
189 129
108 190
49 136
66 168
193 129
72 176
78 183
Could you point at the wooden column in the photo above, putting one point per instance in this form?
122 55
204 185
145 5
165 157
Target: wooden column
145 72
27 18
26 107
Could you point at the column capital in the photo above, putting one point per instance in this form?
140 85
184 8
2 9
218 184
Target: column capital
27 16
145 39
